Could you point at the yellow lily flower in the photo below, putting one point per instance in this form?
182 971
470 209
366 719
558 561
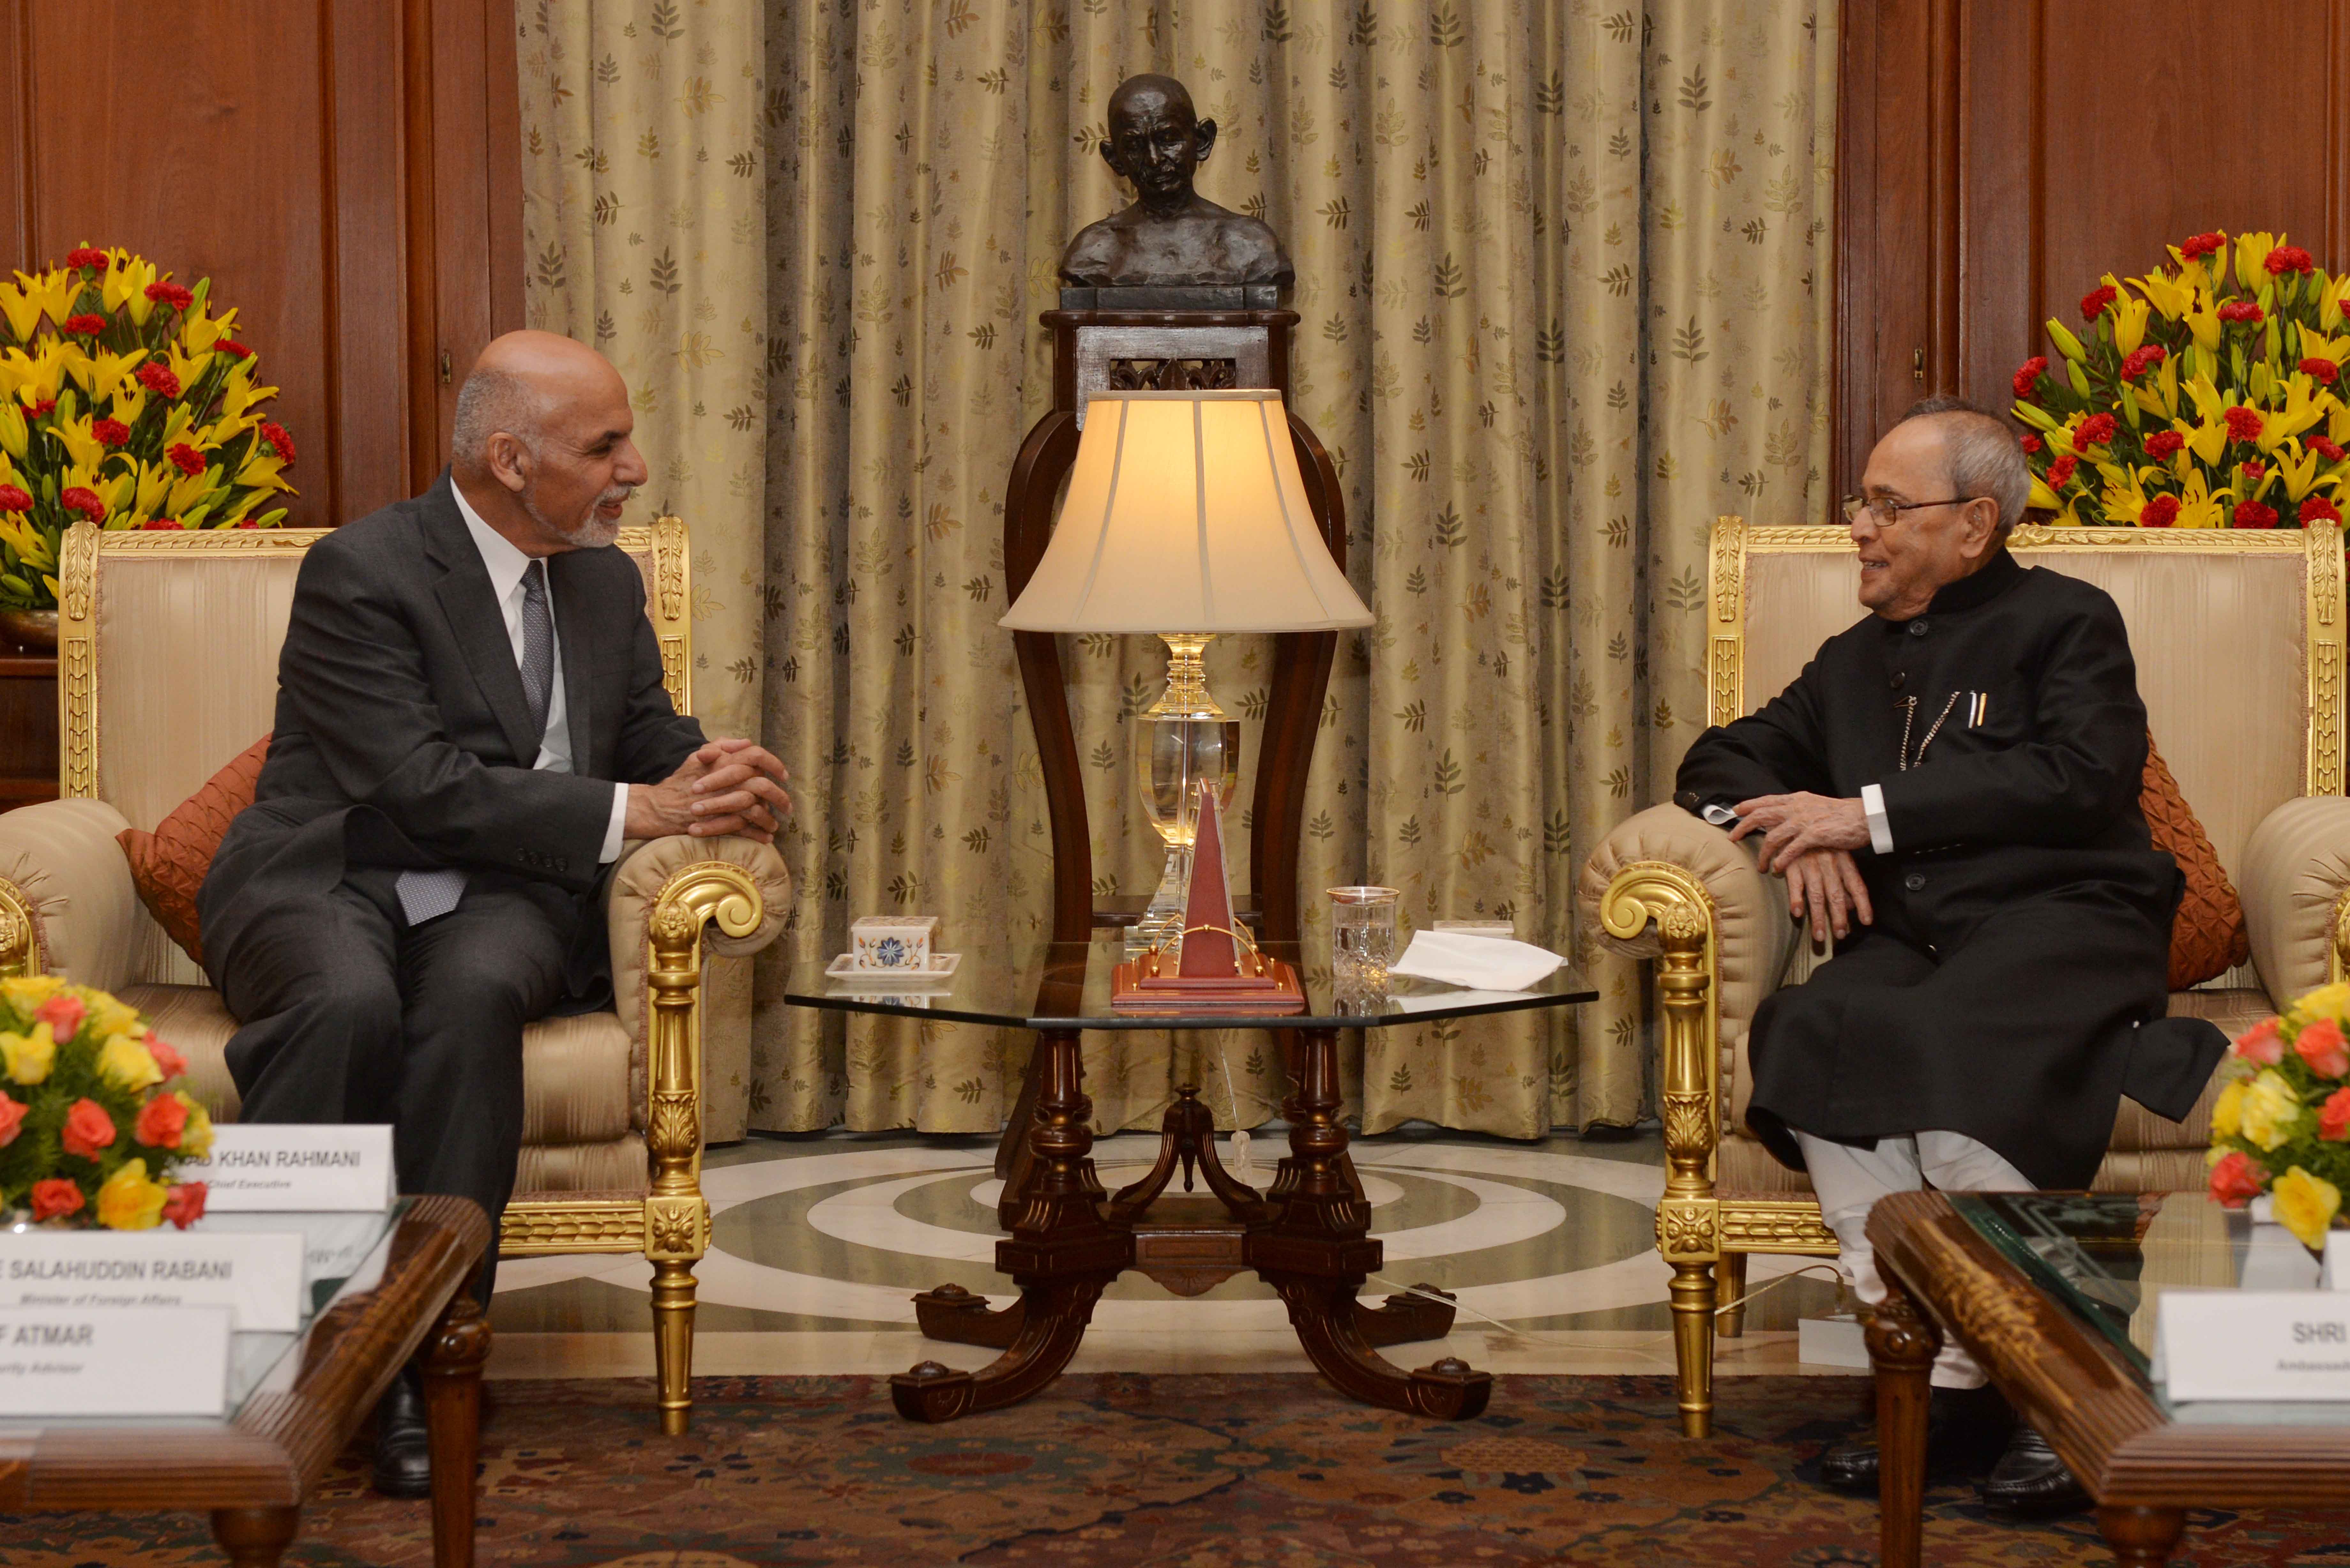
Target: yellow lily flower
155 481
2130 317
102 373
13 433
2198 508
81 446
176 424
24 312
2301 410
261 467
240 393
2329 303
2171 295
199 332
2251 258
31 547
34 379
186 369
52 291
2204 321
187 491
125 282
2296 470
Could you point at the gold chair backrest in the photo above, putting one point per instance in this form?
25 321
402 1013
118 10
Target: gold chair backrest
2238 637
167 659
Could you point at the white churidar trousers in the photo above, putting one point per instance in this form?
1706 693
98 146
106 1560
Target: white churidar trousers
1848 1180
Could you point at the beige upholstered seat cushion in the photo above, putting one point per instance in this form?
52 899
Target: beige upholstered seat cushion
574 1079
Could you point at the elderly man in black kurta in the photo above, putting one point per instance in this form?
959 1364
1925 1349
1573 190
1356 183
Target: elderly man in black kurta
1952 787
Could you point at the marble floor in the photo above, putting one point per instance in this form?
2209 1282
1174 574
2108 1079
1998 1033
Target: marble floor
820 1242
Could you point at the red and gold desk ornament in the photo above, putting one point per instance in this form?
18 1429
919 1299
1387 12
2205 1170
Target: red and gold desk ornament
1220 969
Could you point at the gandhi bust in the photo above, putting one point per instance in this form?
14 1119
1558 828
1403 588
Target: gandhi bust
1172 235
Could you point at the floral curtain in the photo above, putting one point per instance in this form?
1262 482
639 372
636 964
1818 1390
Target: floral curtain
645 223
1564 274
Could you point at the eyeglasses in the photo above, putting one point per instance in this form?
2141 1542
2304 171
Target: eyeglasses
1888 513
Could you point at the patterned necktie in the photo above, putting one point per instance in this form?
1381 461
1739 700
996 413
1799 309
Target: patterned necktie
537 648
428 895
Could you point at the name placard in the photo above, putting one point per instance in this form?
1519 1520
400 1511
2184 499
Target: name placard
2281 1346
296 1168
257 1276
113 1361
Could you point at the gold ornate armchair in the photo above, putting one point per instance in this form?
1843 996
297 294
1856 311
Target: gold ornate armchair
2239 643
167 668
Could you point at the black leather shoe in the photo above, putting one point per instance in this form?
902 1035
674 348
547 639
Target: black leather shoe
2030 1481
403 1454
1965 1429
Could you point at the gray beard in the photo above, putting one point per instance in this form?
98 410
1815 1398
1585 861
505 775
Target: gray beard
593 533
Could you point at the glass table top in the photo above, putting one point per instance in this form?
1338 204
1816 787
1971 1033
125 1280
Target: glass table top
1067 985
344 1255
2107 1258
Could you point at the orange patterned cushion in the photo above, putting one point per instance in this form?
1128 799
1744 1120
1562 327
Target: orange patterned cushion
168 866
2208 937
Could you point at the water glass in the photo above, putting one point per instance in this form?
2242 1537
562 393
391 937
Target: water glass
1362 936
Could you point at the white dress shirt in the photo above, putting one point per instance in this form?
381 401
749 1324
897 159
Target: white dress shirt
507 567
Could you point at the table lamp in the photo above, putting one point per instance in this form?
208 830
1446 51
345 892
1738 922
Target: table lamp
1186 516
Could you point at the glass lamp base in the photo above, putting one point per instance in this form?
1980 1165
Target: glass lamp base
1161 925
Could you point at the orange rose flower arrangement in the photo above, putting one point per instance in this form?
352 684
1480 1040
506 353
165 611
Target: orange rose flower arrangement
94 1113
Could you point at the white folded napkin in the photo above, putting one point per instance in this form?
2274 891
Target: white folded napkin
1489 963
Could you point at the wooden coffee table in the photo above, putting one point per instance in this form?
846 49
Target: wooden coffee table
295 1404
1307 1234
2053 1293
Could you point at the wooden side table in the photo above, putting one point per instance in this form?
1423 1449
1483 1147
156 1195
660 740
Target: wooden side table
2001 1270
252 1470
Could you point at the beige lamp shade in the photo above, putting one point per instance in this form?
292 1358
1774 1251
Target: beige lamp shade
1186 512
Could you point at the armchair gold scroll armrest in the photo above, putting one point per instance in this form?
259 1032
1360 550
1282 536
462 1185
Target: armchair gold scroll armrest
1664 886
673 902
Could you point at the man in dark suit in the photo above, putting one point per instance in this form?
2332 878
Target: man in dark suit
470 722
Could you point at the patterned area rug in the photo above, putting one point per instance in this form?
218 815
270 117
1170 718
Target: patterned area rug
1170 1471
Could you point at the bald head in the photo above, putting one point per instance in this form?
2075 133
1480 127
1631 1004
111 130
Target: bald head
1131 94
541 442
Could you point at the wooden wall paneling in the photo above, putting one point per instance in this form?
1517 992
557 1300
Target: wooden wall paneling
465 97
1885 275
171 129
1997 156
370 428
348 173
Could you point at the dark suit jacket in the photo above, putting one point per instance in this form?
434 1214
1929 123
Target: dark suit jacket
403 739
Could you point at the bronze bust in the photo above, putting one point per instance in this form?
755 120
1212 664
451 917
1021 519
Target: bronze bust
1171 236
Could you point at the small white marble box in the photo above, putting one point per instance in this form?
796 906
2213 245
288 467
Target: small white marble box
891 941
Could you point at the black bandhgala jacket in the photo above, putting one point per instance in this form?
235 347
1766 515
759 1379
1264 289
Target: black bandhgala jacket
2014 984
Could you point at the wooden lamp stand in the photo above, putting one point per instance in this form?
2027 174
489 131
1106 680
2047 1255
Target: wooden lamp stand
1308 1235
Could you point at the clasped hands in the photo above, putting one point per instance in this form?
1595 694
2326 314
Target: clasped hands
1809 839
727 786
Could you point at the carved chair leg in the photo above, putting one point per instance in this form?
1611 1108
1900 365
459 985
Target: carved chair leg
1730 1286
1692 1308
673 1342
